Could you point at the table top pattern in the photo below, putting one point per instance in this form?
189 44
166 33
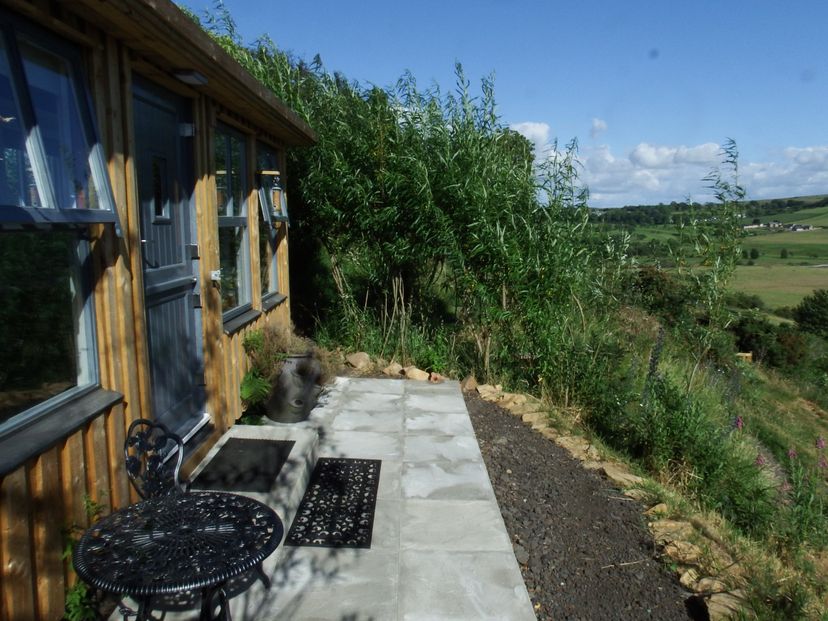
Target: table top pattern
177 543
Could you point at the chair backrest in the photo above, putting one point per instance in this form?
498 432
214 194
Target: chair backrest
152 469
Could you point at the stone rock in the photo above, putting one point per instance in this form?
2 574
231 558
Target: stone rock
359 360
526 408
659 509
689 579
521 554
638 494
549 433
535 418
665 531
683 552
510 400
414 373
436 378
621 476
469 383
576 446
489 392
710 585
592 465
393 369
721 606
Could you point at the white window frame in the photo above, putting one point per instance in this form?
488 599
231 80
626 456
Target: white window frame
231 220
49 216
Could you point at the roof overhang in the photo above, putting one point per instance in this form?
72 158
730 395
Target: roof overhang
169 39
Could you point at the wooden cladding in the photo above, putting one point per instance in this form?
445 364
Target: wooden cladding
47 497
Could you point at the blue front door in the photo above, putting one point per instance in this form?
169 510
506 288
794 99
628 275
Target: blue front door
164 165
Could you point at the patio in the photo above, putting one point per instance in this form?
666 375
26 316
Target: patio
439 548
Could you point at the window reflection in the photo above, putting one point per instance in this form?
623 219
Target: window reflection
17 184
41 336
61 128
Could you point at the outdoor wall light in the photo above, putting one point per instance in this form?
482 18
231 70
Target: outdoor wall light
272 197
191 77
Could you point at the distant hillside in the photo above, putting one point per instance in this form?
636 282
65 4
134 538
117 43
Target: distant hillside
793 209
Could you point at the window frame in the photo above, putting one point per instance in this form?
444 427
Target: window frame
244 271
13 29
51 217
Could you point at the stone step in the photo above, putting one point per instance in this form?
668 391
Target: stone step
289 485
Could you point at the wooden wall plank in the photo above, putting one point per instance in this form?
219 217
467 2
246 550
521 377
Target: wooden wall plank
119 487
97 463
141 403
15 540
215 368
73 489
47 513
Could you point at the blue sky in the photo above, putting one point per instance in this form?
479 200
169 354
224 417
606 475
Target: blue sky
649 89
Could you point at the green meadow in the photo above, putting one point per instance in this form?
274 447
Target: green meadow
802 247
779 285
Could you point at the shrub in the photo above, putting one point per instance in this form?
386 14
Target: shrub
811 314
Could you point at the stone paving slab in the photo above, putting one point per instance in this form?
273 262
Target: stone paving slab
439 548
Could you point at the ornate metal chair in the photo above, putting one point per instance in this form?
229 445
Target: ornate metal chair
152 468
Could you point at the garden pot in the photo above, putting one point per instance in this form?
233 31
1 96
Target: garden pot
295 391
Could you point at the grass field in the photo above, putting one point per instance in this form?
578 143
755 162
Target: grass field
806 246
779 285
817 216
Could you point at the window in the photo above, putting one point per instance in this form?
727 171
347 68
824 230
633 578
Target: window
234 253
272 212
53 183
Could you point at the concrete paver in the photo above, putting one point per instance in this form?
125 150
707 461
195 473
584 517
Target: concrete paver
439 548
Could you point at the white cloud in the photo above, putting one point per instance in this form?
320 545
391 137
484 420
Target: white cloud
809 157
798 172
599 126
653 156
663 173
537 133
647 174
653 173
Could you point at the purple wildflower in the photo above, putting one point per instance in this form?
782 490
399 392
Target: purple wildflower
739 423
820 443
760 460
785 487
792 454
823 463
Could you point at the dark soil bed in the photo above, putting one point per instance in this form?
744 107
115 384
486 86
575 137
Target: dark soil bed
582 546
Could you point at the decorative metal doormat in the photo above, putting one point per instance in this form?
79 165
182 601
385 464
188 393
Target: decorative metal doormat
245 465
337 510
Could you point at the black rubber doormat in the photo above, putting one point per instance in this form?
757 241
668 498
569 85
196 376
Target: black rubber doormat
337 510
244 465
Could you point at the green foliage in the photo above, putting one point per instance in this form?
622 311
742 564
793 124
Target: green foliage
431 234
811 314
253 342
81 604
254 388
805 514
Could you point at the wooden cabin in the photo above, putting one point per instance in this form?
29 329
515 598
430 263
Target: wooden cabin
142 235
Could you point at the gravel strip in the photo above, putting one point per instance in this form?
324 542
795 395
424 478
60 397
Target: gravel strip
583 547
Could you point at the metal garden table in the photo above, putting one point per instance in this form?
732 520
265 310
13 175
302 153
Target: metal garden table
177 543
